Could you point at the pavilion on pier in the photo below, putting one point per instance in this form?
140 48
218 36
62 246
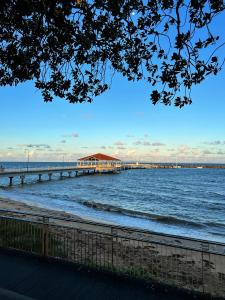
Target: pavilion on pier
99 159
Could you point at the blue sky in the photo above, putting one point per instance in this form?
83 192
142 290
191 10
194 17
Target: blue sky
121 122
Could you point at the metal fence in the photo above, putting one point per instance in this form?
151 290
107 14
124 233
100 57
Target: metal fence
187 263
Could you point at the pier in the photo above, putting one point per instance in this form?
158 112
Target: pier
84 169
90 165
62 172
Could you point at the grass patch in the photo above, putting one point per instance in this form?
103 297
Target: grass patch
27 236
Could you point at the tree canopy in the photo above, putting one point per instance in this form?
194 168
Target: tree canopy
72 48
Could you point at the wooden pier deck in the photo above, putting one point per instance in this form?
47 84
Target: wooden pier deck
63 172
88 169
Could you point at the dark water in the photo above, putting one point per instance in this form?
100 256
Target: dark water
188 202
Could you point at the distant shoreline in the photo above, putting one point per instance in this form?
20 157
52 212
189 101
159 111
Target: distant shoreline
168 164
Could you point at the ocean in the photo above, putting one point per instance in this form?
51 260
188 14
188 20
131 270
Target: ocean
187 202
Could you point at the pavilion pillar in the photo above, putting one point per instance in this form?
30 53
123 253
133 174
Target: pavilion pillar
49 176
76 173
69 174
10 180
39 177
61 175
22 177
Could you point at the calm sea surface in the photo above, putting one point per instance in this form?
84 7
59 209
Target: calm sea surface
188 202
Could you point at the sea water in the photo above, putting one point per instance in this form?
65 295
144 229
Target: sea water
187 202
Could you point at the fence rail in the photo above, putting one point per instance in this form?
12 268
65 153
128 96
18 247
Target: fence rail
187 263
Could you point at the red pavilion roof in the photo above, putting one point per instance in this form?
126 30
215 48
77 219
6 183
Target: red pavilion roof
98 156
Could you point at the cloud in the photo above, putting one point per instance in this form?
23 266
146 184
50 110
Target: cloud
220 152
119 143
58 150
158 144
130 136
103 147
71 135
215 143
63 141
35 146
137 143
142 143
121 148
207 152
183 149
75 135
146 143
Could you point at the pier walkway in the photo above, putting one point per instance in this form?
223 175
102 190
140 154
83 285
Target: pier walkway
88 169
63 172
26 277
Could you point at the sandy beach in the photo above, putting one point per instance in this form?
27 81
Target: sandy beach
12 205
145 254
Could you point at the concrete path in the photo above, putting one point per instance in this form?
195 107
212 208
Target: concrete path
24 277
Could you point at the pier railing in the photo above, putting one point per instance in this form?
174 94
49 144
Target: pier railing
186 263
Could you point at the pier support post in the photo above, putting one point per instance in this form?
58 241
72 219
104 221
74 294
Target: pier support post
39 177
83 172
10 180
76 173
69 174
61 175
88 172
50 176
22 177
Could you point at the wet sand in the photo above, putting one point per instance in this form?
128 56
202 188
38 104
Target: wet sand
12 205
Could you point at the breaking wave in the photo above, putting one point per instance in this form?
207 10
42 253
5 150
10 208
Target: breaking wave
139 214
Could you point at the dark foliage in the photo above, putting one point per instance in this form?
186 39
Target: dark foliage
71 49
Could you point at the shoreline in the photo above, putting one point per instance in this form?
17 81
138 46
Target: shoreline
10 204
143 254
57 217
22 207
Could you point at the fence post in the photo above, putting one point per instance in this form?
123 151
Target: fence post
45 222
205 249
114 235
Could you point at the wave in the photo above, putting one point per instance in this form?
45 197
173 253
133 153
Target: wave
216 224
139 214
